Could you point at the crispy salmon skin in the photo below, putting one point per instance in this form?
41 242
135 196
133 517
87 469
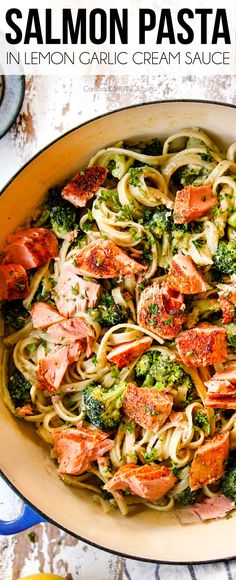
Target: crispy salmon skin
148 407
202 346
103 259
84 185
161 310
13 282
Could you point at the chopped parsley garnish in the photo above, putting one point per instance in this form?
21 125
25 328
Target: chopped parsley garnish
153 308
134 176
198 243
94 360
115 373
151 455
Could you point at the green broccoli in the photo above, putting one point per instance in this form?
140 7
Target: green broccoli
158 221
152 147
15 315
228 481
225 258
143 365
161 220
187 175
103 405
194 142
231 333
188 497
118 165
62 214
107 312
201 420
157 371
19 389
203 309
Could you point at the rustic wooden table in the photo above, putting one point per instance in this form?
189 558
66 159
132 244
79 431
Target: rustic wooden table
52 105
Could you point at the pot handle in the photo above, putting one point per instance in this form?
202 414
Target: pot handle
25 520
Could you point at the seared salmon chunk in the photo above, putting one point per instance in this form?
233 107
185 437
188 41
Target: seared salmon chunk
43 315
103 259
72 294
31 248
70 330
209 460
147 481
13 282
202 346
84 185
213 507
192 203
52 368
161 310
228 402
220 388
148 407
184 277
24 411
77 448
126 353
227 299
221 393
228 374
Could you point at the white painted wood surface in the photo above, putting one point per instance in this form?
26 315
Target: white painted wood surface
53 105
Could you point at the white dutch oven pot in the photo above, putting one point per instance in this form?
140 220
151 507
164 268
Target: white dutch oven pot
24 460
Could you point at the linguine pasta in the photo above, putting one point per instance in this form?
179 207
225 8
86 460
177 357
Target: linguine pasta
121 211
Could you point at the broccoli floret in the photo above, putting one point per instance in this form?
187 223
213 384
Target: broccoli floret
152 147
188 497
19 389
143 365
159 221
15 315
194 142
188 175
108 313
201 420
62 214
103 405
111 315
231 334
225 258
118 165
228 482
155 370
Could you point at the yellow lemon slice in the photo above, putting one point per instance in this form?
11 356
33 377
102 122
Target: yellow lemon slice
43 577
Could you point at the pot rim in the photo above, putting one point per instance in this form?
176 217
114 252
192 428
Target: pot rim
108 114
